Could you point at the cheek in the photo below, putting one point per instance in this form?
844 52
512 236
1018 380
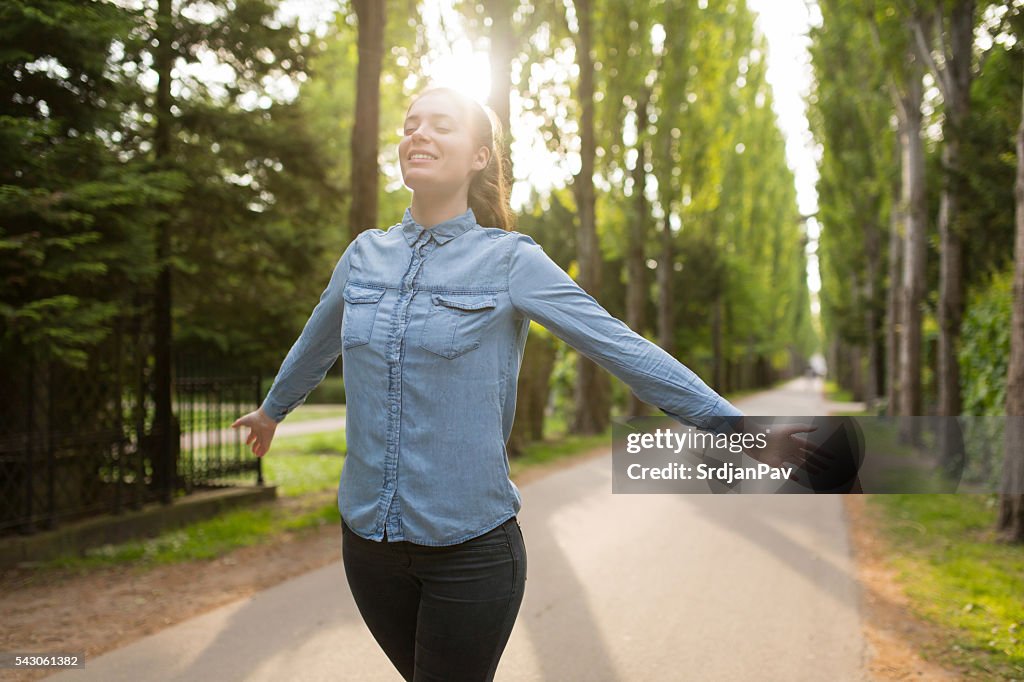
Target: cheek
460 157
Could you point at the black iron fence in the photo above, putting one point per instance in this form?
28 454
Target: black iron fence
79 442
211 451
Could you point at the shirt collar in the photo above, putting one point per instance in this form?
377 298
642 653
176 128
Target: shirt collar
443 231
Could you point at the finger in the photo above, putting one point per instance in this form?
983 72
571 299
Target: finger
803 443
818 461
815 458
824 457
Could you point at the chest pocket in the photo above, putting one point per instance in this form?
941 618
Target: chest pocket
455 323
361 304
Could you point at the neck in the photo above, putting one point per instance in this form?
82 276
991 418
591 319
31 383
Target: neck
429 210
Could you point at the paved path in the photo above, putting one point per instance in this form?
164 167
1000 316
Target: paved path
620 587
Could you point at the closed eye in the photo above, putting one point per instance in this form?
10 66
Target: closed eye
409 131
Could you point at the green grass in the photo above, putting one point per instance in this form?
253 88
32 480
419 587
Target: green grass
836 394
202 540
957 577
552 449
306 466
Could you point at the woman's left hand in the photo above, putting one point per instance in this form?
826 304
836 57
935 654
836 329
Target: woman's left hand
783 447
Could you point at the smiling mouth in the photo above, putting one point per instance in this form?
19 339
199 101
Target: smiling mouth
422 157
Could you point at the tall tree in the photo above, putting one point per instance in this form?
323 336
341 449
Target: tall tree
625 72
362 213
892 39
1011 505
166 427
849 113
592 384
950 26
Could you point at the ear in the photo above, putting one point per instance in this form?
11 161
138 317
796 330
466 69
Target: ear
482 158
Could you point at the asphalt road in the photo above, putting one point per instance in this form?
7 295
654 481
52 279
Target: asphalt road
619 587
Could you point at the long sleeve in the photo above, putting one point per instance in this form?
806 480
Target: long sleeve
544 292
316 349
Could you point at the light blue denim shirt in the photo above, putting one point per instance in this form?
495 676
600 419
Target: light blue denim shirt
431 324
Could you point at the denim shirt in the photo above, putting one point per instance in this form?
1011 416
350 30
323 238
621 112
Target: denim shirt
431 324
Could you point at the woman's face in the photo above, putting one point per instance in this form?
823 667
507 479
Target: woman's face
435 126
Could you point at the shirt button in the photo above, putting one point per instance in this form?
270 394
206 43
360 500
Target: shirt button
394 408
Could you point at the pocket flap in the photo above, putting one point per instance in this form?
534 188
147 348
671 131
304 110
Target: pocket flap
465 301
357 293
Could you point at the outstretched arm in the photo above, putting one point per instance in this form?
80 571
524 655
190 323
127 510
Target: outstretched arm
316 349
543 291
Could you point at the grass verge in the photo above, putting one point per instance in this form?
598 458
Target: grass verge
957 577
955 574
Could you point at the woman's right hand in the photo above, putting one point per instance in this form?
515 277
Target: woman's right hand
261 430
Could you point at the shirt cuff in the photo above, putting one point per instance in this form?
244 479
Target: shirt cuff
725 418
276 411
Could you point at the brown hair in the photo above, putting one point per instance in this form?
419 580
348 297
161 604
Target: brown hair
489 188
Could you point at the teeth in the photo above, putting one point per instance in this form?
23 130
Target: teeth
422 156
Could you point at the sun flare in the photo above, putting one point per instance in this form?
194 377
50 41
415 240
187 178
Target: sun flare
464 70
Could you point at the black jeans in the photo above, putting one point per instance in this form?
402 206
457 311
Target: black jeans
439 613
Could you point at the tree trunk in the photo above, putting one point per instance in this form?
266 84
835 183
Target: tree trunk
502 40
636 260
894 299
538 358
955 75
914 253
533 389
167 445
719 369
592 414
666 317
362 213
1011 503
872 246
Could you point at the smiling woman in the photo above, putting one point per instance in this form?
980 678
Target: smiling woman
431 317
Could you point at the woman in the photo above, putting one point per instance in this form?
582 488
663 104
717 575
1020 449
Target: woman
431 318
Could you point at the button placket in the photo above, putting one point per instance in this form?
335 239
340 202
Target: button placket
391 511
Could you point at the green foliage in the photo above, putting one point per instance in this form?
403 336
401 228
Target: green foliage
984 358
74 245
984 353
